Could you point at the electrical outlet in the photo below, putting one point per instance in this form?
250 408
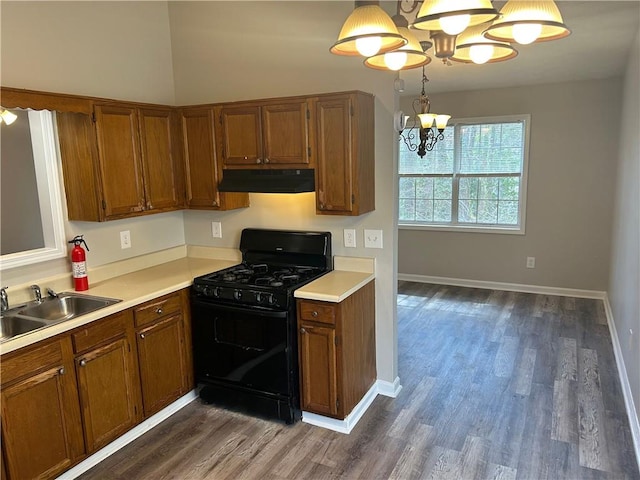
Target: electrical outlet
531 262
216 229
125 239
373 239
350 237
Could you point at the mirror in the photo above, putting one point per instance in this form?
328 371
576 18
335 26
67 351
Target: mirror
31 217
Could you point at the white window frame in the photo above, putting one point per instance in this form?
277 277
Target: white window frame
518 229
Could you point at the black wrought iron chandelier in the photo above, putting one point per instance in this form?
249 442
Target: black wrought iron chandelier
430 126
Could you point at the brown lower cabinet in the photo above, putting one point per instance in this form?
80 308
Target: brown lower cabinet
337 351
66 397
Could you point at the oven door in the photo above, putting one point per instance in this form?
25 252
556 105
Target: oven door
241 346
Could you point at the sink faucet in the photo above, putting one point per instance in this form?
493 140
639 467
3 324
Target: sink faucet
4 298
37 293
51 293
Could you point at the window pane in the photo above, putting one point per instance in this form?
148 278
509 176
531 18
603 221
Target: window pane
482 149
488 188
424 187
406 210
508 213
442 188
442 210
440 160
468 188
407 187
509 188
467 211
424 210
487 211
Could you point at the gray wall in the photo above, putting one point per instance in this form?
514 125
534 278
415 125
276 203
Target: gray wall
572 161
21 223
624 284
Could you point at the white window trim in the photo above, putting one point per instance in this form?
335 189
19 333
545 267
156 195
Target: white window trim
483 228
46 159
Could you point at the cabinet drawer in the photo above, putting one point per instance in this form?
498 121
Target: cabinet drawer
155 309
317 312
27 363
103 330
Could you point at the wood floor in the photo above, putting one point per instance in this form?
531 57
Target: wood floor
497 385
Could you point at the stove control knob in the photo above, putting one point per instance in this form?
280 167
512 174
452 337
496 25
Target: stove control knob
216 291
237 294
205 291
271 299
259 297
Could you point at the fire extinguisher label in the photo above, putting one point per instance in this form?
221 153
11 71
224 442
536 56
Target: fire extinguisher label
79 269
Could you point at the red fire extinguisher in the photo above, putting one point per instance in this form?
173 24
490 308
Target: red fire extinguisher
79 264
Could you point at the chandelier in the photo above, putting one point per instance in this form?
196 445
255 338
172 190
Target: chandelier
466 31
430 126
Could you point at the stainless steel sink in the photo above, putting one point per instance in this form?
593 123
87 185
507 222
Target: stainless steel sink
50 311
13 326
66 306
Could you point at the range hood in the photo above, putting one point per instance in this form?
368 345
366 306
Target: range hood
268 181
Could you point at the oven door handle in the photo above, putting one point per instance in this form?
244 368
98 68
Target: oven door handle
264 312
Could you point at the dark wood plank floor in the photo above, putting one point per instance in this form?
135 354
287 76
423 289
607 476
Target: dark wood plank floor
497 385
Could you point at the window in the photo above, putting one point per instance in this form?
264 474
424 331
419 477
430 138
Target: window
474 179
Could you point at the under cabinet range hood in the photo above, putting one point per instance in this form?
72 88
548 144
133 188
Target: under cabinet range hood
268 181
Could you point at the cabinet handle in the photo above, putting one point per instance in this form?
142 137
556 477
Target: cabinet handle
61 371
257 160
83 362
142 336
266 160
314 314
159 311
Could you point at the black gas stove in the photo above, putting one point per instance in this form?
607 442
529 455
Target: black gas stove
259 284
244 322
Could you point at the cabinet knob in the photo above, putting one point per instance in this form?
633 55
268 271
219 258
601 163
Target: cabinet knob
159 311
214 203
245 157
266 160
322 206
302 330
314 314
257 160
61 371
142 336
83 362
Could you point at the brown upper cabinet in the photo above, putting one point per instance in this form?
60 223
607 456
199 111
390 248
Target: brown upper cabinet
202 169
269 134
124 156
345 170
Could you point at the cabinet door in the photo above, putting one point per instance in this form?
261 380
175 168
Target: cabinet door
319 382
334 182
108 396
200 158
41 436
241 135
158 160
163 363
286 133
119 159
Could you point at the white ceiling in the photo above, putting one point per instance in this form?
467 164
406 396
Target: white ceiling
601 36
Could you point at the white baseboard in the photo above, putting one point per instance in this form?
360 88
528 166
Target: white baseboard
510 287
388 389
634 423
128 437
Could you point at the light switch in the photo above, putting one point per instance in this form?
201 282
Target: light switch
373 239
216 229
350 237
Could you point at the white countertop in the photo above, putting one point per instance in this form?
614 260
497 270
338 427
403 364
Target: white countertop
145 284
335 286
